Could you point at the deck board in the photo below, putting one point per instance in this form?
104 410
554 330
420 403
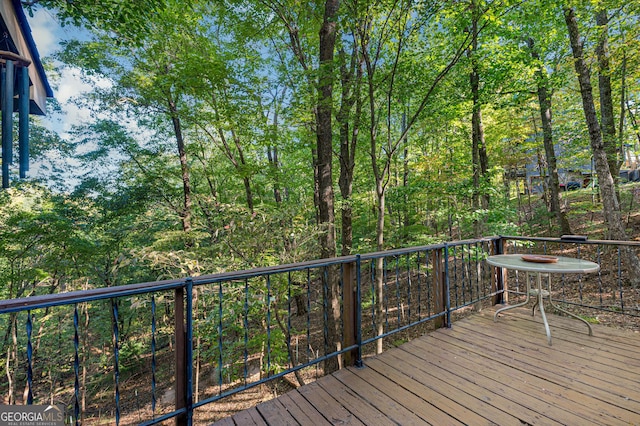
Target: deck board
594 351
450 383
506 380
301 410
541 390
478 372
331 409
420 382
249 417
362 409
372 390
276 413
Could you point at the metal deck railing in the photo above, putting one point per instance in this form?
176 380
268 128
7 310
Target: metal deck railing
150 352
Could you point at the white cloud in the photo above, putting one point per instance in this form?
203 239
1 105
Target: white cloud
70 84
45 31
48 34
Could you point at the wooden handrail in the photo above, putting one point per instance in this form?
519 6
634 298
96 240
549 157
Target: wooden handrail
20 61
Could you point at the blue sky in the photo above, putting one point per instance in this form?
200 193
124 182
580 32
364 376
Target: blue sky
48 34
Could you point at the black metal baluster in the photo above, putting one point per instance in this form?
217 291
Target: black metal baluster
29 359
358 362
426 259
245 320
447 285
620 281
76 366
289 350
341 290
599 276
153 356
385 295
398 307
372 274
220 366
189 349
268 325
477 269
419 287
455 276
116 361
325 308
308 314
408 260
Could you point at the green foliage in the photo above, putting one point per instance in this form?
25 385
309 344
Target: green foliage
126 20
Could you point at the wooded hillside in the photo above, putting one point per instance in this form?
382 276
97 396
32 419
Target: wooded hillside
236 134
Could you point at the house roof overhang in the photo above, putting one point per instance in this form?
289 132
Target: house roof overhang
19 40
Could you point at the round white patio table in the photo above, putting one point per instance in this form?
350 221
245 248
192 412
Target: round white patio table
542 264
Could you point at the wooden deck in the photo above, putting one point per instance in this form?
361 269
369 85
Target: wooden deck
479 372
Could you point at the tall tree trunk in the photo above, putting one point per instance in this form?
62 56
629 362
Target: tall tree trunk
480 160
611 207
381 176
184 166
272 156
606 98
235 156
247 190
316 181
272 151
379 279
405 181
381 159
288 242
326 212
351 78
544 99
475 165
635 125
246 179
623 110
238 162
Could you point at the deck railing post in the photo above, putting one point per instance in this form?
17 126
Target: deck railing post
499 275
349 309
181 355
439 287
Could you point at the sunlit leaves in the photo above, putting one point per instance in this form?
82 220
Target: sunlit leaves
126 21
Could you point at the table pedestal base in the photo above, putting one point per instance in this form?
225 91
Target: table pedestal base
541 294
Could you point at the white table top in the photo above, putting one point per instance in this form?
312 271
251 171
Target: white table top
563 265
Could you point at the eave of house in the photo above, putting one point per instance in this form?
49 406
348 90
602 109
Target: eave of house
15 22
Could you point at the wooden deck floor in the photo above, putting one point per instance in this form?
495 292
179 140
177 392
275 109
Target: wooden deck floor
479 372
